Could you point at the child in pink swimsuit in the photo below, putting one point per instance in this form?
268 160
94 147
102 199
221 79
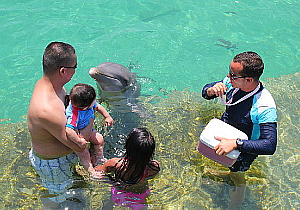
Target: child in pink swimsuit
135 167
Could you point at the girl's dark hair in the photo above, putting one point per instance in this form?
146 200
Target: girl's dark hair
82 95
253 64
139 146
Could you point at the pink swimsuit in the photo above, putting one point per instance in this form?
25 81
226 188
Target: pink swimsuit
132 200
129 199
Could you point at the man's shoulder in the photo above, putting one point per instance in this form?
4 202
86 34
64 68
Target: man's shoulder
46 107
264 107
265 99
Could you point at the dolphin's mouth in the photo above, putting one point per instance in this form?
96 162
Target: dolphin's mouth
107 75
123 90
122 81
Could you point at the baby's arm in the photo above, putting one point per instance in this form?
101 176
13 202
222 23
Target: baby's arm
73 136
108 119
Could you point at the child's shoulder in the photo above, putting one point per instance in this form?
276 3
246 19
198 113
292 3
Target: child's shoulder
154 163
113 162
153 167
109 165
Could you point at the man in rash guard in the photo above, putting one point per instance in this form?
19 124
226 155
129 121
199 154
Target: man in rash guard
249 108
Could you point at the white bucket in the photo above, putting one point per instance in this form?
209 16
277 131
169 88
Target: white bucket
207 142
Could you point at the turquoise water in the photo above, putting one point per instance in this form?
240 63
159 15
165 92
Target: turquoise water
171 42
171 45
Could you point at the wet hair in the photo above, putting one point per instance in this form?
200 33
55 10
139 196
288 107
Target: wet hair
57 54
253 65
139 146
82 95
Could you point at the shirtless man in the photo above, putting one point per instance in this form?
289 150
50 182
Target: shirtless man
52 153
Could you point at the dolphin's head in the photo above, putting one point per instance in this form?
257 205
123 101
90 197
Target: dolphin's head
114 80
112 76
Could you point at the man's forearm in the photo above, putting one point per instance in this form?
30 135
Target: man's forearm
267 142
204 91
72 140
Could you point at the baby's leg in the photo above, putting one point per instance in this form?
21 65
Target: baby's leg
87 131
85 160
97 144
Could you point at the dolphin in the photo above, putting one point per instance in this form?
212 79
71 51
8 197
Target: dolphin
117 86
119 90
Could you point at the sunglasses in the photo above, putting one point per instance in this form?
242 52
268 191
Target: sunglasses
233 77
68 67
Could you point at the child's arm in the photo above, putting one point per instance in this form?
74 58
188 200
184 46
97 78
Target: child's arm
108 166
108 119
73 136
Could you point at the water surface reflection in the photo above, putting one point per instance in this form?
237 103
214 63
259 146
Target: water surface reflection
187 179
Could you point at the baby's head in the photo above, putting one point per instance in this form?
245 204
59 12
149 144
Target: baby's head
82 95
139 145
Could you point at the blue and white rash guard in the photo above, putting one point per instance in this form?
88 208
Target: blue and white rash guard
256 116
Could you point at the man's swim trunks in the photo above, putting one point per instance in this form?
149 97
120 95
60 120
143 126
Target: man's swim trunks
56 174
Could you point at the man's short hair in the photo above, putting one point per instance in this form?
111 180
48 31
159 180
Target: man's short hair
253 64
57 54
82 95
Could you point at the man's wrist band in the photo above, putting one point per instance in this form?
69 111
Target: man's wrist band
239 144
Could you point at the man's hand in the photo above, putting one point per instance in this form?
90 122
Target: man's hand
218 89
225 146
76 138
82 143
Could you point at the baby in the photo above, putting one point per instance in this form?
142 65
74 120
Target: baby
80 119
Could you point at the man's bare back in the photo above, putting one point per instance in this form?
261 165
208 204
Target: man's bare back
46 113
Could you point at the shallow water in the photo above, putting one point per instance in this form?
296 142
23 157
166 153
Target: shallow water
175 47
187 179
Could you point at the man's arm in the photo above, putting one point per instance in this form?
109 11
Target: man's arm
265 145
74 137
213 90
55 123
267 142
225 146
